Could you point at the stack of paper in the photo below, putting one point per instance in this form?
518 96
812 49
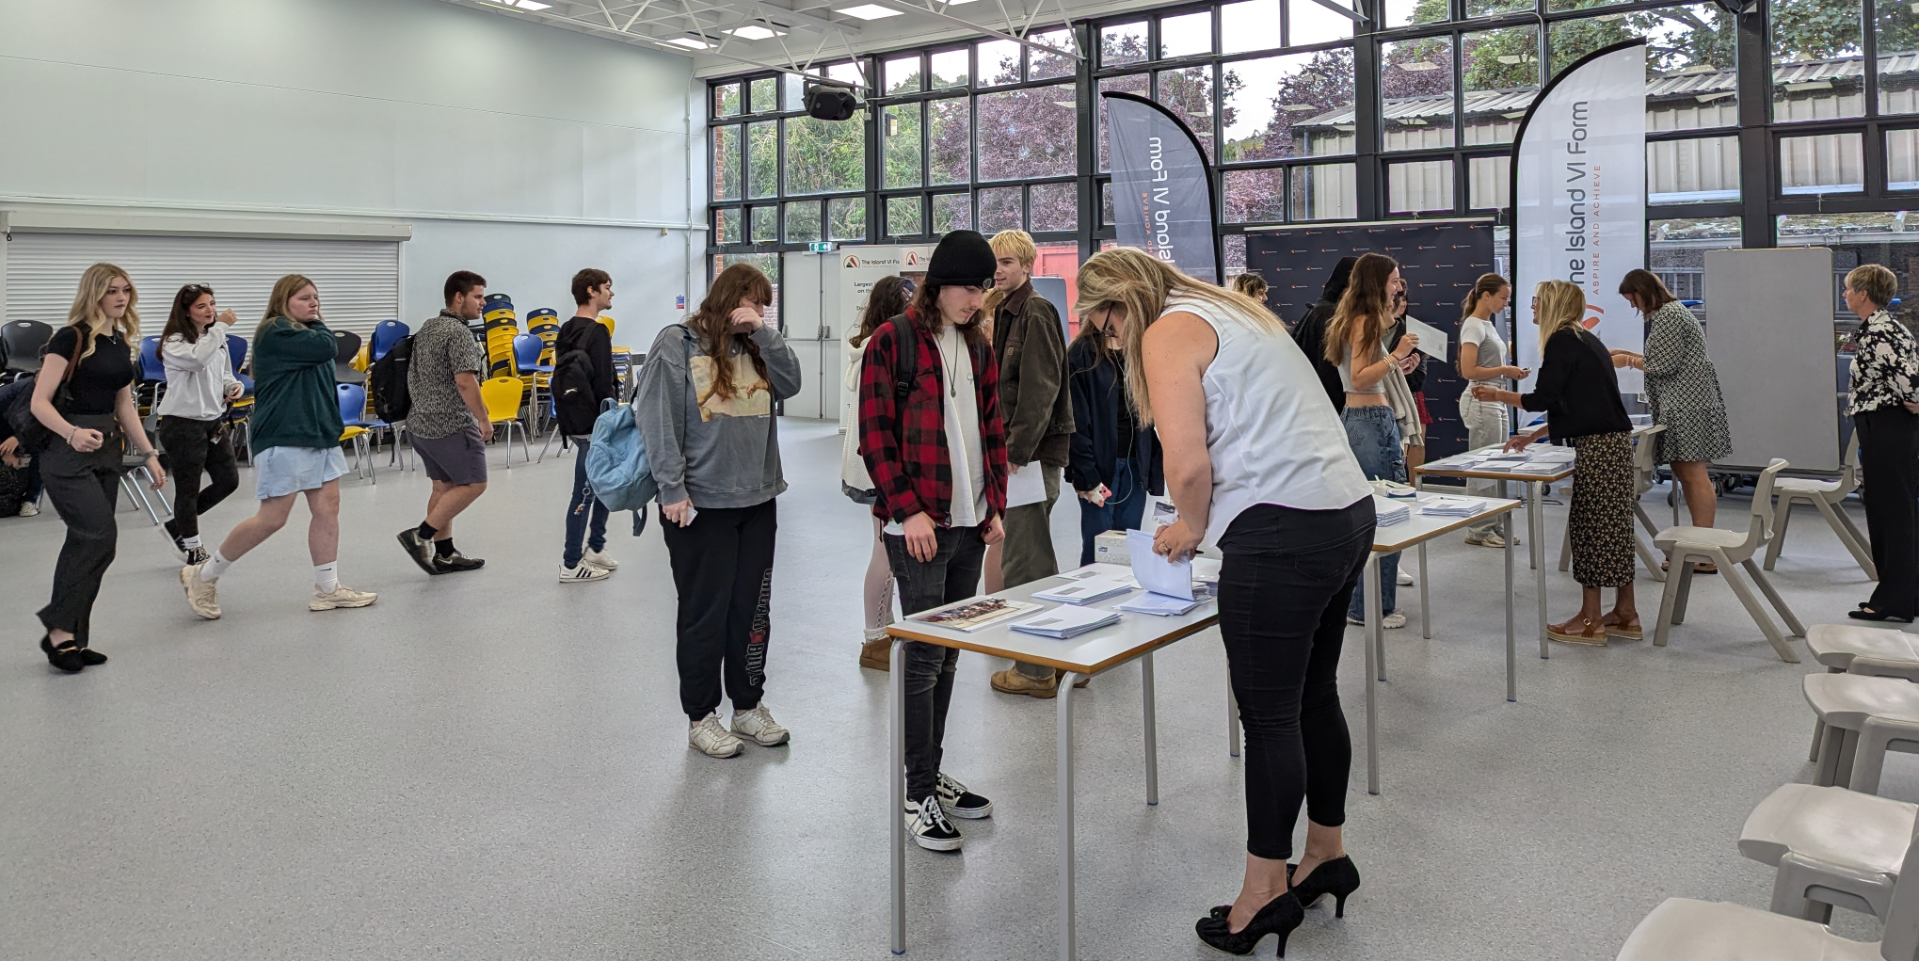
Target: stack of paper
1440 506
1156 573
1538 467
1065 622
1387 513
1087 590
1556 455
1159 605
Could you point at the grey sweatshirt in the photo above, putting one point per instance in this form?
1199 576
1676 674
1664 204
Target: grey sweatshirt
720 452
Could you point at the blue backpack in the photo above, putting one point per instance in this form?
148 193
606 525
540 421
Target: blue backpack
617 467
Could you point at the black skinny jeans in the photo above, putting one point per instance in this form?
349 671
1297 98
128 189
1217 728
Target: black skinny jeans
952 575
1888 469
723 570
84 489
193 446
1286 577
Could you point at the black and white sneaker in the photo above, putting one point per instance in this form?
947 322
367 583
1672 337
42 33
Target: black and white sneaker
419 550
929 827
956 800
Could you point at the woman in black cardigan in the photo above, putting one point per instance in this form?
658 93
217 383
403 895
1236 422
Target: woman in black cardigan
1581 395
1113 462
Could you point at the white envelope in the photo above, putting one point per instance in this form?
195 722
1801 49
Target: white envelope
1433 340
1028 486
1156 573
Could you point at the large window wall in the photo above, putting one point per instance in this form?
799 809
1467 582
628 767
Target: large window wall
1792 125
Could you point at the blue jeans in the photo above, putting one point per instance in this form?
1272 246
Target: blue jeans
1121 512
586 516
1375 439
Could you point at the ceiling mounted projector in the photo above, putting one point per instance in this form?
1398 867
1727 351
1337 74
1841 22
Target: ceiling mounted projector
827 101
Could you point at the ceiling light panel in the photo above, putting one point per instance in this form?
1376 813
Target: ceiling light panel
754 31
868 11
691 43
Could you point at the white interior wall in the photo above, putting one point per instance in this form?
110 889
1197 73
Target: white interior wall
517 150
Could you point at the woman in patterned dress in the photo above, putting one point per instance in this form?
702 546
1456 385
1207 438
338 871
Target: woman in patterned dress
1881 397
1682 391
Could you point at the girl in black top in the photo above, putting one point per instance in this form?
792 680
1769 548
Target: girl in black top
1113 463
89 364
1581 395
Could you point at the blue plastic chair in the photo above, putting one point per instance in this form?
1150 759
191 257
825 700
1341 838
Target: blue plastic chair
237 352
153 373
526 354
387 333
353 413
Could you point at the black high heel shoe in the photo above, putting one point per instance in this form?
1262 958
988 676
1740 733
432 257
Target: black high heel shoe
1279 917
91 657
65 657
1337 877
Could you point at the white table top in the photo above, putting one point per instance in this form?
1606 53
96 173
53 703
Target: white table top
1424 527
1484 472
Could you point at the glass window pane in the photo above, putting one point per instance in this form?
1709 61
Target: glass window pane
726 163
950 135
1490 182
763 159
1884 238
1421 186
949 69
1123 43
1188 94
847 218
1896 34
999 210
1233 255
1690 61
1046 66
824 156
1134 83
1487 8
1291 106
1700 171
1255 196
1250 25
1677 251
1822 164
902 74
848 72
1399 13
766 222
1416 85
901 145
1309 23
803 222
999 63
726 99
1816 48
1106 206
903 216
726 226
1324 192
1186 35
763 96
1501 69
951 212
1902 171
793 89
1053 207
1027 133
768 264
1581 4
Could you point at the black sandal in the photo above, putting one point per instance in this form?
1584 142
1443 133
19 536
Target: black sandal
66 657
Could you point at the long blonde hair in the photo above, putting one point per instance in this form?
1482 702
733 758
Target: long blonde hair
1368 305
1134 280
1560 305
283 291
86 311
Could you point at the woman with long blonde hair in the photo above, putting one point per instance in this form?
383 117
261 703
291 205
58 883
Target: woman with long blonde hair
295 434
1579 391
1257 464
83 401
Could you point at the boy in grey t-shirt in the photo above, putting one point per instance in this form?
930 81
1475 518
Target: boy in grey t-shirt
448 424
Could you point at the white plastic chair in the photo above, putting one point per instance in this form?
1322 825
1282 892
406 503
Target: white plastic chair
1865 717
1722 548
1827 497
1682 929
1880 652
1829 847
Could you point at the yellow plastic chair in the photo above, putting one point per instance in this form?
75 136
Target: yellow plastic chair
501 396
608 323
362 457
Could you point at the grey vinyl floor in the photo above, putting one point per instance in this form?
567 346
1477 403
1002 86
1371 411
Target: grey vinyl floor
494 765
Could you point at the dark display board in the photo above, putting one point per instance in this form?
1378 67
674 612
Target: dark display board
1439 259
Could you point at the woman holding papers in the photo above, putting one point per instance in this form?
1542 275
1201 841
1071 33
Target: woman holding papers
1683 391
1483 362
1578 390
1258 464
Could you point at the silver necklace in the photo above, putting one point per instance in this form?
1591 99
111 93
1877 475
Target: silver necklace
953 369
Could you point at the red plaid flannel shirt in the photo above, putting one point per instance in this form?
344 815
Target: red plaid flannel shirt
905 444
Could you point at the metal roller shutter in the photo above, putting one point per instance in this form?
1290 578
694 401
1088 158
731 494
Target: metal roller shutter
358 280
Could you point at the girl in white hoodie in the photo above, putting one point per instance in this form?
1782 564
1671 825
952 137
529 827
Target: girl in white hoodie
193 426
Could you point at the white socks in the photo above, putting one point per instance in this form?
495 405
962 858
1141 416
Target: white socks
214 567
326 577
193 541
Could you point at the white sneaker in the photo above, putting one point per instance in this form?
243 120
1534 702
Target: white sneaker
600 559
29 509
760 726
1403 578
582 572
709 738
201 595
929 827
1394 621
340 596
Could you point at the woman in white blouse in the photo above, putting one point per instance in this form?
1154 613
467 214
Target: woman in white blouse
193 425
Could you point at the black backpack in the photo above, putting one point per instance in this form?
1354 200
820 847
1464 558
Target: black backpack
387 382
573 400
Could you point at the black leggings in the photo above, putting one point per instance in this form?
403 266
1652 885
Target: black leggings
191 446
1887 484
1286 577
723 572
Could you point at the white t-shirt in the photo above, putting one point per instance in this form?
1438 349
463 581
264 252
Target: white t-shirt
965 452
1491 350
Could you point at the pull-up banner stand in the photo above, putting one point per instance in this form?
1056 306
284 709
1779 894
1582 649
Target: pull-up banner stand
1162 190
1580 197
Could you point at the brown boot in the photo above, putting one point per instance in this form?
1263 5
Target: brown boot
877 655
1082 682
1011 681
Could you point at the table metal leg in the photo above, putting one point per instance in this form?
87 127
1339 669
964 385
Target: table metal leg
1152 729
897 793
1370 583
1535 522
1233 721
1534 492
1426 623
1376 635
1064 752
1506 528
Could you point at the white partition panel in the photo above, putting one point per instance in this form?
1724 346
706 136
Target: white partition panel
1770 334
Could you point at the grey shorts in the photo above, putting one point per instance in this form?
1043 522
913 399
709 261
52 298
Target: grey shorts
458 458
